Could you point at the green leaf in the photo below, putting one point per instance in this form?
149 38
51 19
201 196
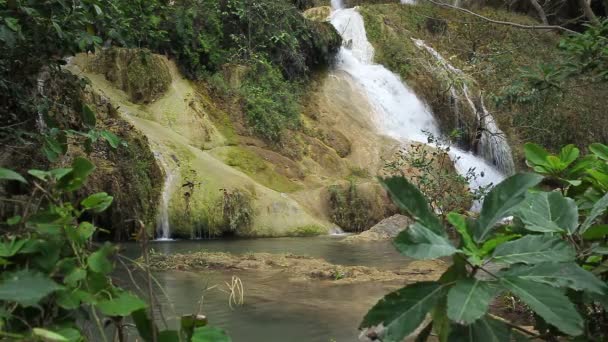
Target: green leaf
548 302
483 330
11 221
499 202
533 249
143 324
88 116
569 154
491 244
535 154
597 232
7 174
598 210
469 299
407 197
122 305
599 150
209 334
98 260
73 180
98 202
13 24
420 242
48 335
26 287
548 212
402 311
111 138
10 247
556 274
75 276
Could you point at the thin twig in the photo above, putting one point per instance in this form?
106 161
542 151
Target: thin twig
507 23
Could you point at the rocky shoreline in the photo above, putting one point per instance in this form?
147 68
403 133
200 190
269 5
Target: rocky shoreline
297 267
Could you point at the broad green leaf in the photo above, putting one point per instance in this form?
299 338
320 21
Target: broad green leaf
48 335
98 202
598 210
548 212
189 322
485 329
75 276
402 311
98 260
210 334
569 154
555 164
10 247
11 221
460 224
548 302
420 242
168 336
469 299
88 116
143 324
535 154
111 138
599 150
597 232
26 287
501 200
12 23
81 169
39 174
491 244
441 324
556 274
122 305
407 197
533 249
7 174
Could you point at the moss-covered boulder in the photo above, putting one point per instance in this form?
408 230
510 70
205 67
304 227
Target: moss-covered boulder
139 73
318 13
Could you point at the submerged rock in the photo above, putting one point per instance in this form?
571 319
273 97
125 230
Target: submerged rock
297 267
386 229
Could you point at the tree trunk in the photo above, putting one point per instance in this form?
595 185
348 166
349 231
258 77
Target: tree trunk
586 7
541 12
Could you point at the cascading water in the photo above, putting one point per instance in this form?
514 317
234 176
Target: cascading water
493 145
399 113
163 228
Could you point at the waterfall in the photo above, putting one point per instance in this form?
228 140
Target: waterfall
399 113
337 4
163 228
493 145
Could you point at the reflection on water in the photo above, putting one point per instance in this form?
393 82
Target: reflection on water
276 309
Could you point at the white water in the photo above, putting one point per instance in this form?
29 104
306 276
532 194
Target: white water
493 145
399 113
163 228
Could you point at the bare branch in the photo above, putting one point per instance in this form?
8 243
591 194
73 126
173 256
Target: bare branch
507 23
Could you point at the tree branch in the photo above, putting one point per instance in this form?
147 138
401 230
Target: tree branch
507 23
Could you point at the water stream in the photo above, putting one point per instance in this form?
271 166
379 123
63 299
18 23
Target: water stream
399 113
163 227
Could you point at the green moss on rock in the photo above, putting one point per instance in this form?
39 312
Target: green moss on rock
139 73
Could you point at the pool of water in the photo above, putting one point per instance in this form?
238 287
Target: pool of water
275 308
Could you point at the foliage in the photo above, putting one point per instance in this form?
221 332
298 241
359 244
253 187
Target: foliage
349 209
237 212
431 170
551 256
588 53
270 102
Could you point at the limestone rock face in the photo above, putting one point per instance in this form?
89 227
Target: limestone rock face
386 229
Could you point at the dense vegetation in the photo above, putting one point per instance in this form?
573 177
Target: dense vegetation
551 255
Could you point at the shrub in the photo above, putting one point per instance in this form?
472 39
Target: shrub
551 256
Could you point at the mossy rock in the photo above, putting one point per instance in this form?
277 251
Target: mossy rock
139 73
318 13
356 207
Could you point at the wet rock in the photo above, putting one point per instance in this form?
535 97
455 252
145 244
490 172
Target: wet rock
386 229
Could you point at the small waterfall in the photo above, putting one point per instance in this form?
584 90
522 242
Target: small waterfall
337 4
399 113
492 144
163 228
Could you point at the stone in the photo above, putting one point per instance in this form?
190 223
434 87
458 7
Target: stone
386 229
